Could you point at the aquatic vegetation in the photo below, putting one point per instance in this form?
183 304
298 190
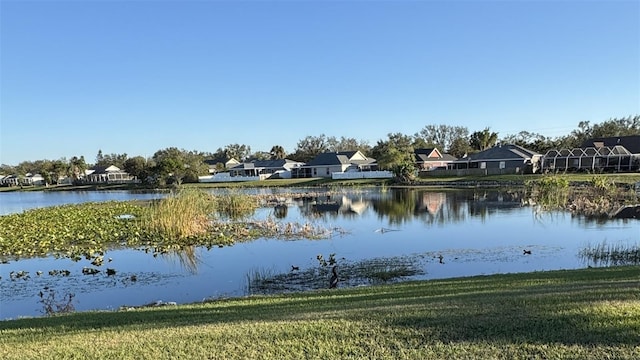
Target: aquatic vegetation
52 304
605 254
73 231
176 223
550 191
598 197
363 272
185 213
236 205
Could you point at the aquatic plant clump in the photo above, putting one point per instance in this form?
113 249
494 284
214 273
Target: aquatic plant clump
236 206
605 254
184 214
598 197
350 273
550 191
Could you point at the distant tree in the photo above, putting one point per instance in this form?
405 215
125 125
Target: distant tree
55 169
237 151
258 155
609 128
482 140
77 167
137 166
277 152
6 169
347 144
177 166
617 127
309 147
528 140
116 160
397 155
442 136
459 147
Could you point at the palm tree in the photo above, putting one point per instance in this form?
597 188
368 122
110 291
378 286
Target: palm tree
277 152
77 166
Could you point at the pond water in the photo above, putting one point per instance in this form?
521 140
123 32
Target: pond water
441 233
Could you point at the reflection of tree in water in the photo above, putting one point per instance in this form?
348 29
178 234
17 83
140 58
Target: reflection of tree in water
399 208
280 211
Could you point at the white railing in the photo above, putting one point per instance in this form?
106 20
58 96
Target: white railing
224 177
362 175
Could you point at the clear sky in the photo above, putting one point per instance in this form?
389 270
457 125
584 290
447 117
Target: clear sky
135 77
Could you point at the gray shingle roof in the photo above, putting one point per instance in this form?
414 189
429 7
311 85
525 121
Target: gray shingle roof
631 143
507 151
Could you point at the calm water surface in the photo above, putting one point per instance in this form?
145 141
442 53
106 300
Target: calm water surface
476 232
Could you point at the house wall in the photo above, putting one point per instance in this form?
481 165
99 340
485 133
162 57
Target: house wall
226 177
432 164
325 171
362 175
473 172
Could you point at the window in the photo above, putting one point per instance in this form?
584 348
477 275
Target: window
502 165
483 165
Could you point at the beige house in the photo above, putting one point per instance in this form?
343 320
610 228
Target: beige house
432 158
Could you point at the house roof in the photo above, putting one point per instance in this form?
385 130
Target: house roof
340 158
631 143
105 169
432 154
329 159
501 152
269 164
220 160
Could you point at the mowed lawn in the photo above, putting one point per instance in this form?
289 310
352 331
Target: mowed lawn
577 314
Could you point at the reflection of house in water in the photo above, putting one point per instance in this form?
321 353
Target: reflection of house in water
342 205
431 202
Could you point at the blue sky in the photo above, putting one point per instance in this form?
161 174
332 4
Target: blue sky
135 77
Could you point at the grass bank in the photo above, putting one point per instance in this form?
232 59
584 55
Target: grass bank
431 181
581 314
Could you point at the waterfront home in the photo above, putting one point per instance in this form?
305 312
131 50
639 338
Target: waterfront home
500 159
617 153
264 169
432 158
325 164
107 175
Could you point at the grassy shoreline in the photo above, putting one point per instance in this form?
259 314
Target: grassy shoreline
585 314
451 181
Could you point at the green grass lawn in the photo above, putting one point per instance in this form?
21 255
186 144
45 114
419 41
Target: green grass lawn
579 314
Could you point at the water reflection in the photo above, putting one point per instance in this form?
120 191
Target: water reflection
475 231
405 205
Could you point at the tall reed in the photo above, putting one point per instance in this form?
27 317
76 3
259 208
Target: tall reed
185 213
550 191
236 205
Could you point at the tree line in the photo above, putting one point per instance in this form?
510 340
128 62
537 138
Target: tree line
395 152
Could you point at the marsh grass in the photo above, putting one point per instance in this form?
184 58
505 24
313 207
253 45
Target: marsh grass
579 314
183 214
605 254
551 191
236 205
598 197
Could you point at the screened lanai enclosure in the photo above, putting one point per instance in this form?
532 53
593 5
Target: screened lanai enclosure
604 159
